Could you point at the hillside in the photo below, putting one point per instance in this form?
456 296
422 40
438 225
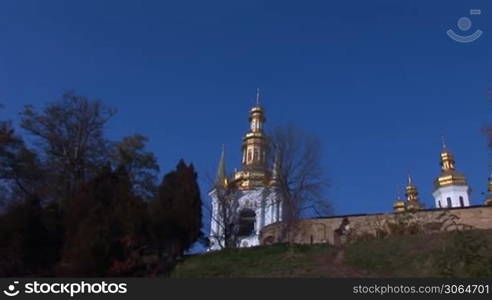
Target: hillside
456 254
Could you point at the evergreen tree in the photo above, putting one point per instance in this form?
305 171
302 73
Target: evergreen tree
105 225
177 212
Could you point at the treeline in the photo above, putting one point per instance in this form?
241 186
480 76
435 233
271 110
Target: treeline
77 204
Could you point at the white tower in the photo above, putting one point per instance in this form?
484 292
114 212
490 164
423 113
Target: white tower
248 201
450 188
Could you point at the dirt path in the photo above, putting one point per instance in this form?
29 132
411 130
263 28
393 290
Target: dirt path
332 265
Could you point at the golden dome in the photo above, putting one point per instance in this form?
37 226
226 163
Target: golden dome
399 205
412 194
449 176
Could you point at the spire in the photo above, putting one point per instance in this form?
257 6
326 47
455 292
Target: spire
447 158
221 178
258 97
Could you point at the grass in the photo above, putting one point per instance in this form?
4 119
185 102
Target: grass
449 254
278 260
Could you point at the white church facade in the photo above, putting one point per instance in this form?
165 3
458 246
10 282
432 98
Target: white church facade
245 202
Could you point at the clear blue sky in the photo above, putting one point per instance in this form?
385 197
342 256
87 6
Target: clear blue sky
378 81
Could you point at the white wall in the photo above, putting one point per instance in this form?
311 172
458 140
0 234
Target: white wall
454 192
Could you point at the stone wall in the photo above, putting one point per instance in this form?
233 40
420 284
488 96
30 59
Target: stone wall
324 230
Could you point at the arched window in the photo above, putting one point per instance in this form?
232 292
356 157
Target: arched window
462 202
449 202
249 155
439 203
247 218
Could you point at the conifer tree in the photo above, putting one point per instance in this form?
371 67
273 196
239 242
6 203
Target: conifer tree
177 211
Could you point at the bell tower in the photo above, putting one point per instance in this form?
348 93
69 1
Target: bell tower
254 165
254 201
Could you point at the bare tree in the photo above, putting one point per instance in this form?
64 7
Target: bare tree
224 215
141 165
295 158
70 134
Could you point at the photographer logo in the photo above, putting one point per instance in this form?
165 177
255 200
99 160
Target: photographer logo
11 291
464 24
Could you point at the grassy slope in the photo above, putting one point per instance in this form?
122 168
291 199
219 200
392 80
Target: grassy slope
447 254
272 261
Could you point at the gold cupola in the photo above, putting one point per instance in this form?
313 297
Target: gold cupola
412 194
399 205
488 200
449 176
254 166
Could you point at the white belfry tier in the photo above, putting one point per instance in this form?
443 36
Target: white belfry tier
265 208
452 196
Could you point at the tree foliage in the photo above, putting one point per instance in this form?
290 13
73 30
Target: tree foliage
69 135
178 210
75 203
140 164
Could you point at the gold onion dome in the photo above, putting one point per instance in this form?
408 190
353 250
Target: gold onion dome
412 195
399 205
449 176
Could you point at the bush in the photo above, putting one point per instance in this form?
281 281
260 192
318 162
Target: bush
464 254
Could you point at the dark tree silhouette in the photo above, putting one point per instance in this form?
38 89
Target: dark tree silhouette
69 135
140 164
105 224
177 212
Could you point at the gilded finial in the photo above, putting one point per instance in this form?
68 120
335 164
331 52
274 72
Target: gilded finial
409 179
257 96
398 192
443 141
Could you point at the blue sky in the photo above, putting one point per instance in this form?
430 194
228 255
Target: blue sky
378 81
